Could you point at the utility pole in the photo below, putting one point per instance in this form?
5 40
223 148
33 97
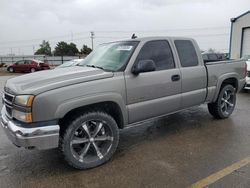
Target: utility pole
92 34
11 51
33 49
71 36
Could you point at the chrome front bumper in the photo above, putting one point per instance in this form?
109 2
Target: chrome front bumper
247 86
45 137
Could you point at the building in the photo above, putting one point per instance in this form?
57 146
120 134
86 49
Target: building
240 36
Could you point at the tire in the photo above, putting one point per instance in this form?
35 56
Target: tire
224 106
10 69
32 70
89 140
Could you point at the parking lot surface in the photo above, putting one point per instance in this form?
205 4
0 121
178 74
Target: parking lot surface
181 150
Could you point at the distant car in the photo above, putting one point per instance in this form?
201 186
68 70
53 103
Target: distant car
28 66
247 86
212 57
70 63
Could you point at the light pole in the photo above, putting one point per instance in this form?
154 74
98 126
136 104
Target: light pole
92 34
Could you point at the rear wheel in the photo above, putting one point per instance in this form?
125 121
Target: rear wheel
32 70
90 140
224 106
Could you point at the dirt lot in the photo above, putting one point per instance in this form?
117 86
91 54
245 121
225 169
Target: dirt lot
177 151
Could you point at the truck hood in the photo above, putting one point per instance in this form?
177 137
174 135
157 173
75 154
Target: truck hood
40 82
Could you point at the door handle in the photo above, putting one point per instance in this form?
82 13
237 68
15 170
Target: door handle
176 77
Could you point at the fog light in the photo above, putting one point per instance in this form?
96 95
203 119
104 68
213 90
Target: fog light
22 116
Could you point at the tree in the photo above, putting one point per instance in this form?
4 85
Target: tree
62 49
72 49
85 50
211 50
44 49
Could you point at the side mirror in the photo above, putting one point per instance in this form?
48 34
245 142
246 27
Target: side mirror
144 66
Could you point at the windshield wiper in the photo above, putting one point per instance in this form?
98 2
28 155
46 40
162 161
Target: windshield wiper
94 66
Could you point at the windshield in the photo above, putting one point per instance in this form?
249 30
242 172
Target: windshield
111 56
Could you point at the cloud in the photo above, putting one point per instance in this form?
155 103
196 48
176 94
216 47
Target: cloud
31 19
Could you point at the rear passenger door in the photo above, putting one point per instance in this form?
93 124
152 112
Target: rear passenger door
193 74
155 93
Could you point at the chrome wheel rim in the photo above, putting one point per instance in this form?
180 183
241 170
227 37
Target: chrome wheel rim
227 102
11 69
33 70
91 141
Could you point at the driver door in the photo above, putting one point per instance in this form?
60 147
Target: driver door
18 65
156 93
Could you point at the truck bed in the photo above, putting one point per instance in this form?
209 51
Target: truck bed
219 70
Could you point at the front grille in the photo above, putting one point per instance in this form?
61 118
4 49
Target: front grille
8 111
8 100
8 97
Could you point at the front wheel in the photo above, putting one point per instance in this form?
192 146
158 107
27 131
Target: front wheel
90 140
11 69
223 107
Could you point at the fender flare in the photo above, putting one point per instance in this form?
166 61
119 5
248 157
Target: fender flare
221 79
74 103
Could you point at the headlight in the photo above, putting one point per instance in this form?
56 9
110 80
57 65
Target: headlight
24 100
22 116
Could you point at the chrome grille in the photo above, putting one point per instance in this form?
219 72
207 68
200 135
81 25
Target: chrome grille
8 100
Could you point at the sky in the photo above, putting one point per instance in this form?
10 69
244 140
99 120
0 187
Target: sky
25 23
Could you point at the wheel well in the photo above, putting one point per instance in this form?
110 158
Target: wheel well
109 107
231 81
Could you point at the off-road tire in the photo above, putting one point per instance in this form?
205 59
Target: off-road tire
66 136
215 108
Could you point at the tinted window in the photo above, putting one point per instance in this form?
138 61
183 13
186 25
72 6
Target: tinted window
187 53
212 57
19 62
26 62
158 51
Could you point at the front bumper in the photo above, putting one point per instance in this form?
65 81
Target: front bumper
45 137
247 86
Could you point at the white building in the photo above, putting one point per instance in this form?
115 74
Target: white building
240 36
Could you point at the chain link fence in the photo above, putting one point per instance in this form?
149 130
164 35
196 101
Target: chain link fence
52 60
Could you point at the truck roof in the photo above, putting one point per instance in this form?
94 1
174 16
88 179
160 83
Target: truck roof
158 38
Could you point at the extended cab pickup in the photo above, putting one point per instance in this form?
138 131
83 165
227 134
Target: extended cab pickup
81 109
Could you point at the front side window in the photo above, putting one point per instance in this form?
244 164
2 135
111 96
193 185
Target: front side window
19 62
160 52
111 56
187 53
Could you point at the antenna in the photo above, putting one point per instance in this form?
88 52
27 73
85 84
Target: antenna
133 36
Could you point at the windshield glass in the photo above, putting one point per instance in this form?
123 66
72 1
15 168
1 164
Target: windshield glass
111 56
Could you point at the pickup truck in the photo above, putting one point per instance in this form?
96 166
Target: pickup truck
81 109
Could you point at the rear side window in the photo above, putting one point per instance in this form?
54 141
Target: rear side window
160 52
186 53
